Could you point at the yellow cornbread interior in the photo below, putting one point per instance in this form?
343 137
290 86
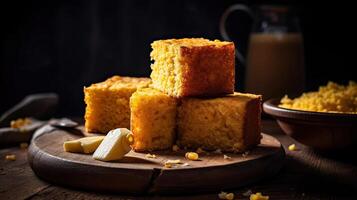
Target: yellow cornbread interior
153 119
230 123
83 145
332 98
168 67
108 103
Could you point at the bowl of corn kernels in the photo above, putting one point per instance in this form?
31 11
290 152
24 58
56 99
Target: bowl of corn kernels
325 119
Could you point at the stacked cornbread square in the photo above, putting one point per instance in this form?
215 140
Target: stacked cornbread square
230 123
108 103
153 119
193 67
190 100
198 74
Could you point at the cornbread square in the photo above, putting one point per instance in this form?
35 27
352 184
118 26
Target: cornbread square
230 123
108 103
153 119
193 67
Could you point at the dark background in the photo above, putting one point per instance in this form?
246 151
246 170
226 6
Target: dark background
61 46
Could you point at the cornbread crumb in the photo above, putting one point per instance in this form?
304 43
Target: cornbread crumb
171 163
226 157
177 161
150 155
179 64
332 98
175 148
24 145
258 196
19 123
292 147
225 195
107 103
11 157
192 156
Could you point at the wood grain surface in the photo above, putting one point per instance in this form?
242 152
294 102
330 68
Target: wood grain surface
138 174
306 175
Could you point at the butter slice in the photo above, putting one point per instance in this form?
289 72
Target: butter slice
115 145
83 145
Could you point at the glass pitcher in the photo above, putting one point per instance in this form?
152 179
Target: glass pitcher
275 58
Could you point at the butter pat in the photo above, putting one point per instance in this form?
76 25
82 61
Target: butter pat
83 145
115 145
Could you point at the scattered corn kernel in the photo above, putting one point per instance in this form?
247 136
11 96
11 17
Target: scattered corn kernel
150 155
175 148
292 147
24 145
171 163
227 157
258 196
11 157
18 123
191 156
225 195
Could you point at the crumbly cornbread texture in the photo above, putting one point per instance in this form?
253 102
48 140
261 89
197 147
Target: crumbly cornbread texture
108 103
153 119
230 123
332 98
193 67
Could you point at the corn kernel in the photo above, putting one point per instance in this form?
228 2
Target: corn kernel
11 157
192 156
258 196
292 147
130 139
24 145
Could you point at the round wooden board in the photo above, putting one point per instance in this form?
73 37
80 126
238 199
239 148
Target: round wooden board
137 174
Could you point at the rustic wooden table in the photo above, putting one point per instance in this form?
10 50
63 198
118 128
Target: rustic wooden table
306 175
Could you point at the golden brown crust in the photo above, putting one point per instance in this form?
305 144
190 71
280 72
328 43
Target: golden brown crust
207 70
107 103
252 126
192 67
230 123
